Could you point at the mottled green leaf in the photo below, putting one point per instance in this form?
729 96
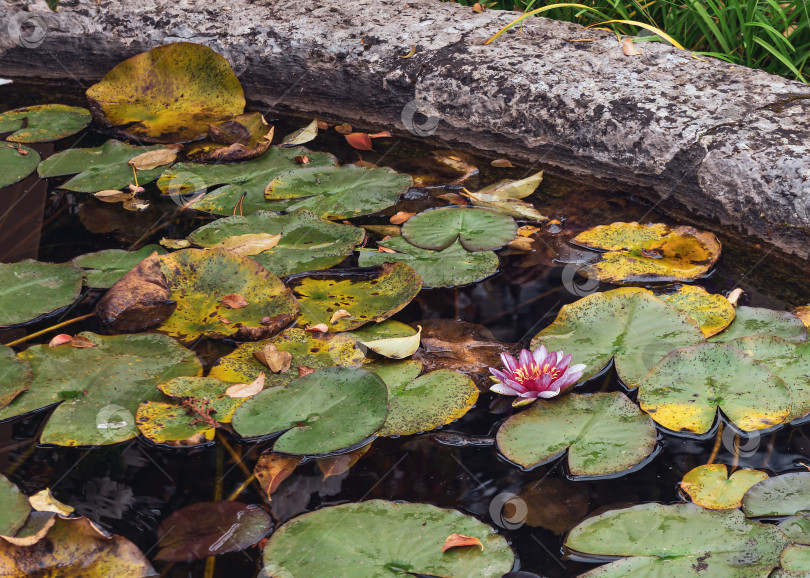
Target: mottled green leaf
30 289
760 321
477 229
16 165
44 122
104 268
783 495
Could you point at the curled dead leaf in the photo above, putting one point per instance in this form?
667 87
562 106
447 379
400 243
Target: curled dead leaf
275 360
382 134
454 198
301 159
629 48
304 370
400 217
344 128
322 327
81 342
521 244
734 296
527 230
411 52
241 390
43 501
234 301
60 339
154 159
478 7
338 315
272 469
459 541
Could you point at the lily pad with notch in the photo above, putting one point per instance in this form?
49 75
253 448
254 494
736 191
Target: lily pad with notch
16 163
30 290
710 485
44 122
477 229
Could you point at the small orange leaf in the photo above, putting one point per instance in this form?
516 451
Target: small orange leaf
272 469
81 342
60 339
383 134
322 327
344 128
338 315
304 370
359 140
453 198
478 7
459 541
527 230
336 465
400 217
521 243
629 48
502 163
241 390
234 301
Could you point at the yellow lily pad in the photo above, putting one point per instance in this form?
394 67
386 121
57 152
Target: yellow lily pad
712 312
710 485
803 313
637 253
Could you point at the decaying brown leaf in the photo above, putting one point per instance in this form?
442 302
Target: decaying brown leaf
275 360
382 134
234 301
527 230
241 390
460 541
301 159
272 469
338 315
454 198
477 7
629 48
400 217
521 244
322 327
250 244
154 159
336 465
304 370
344 129
81 342
112 196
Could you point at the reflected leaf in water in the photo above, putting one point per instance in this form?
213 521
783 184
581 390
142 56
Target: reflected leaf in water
554 504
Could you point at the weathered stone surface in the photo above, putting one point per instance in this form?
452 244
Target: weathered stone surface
723 142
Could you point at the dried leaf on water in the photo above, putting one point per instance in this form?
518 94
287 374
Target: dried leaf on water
241 390
460 541
273 468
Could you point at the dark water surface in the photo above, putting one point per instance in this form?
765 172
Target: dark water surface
130 487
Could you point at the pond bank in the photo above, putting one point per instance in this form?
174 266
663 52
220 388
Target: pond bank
722 145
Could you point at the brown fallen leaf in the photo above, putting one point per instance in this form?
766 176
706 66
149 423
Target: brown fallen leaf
381 249
275 360
459 541
322 327
234 153
81 342
241 390
60 339
359 140
338 315
154 159
454 198
272 469
502 163
304 370
250 244
521 244
112 196
234 301
629 48
344 128
224 320
336 465
400 217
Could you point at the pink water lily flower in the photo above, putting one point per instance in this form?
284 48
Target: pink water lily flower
533 375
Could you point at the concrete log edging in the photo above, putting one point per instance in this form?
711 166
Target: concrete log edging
703 138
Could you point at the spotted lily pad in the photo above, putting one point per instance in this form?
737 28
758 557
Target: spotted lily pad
16 163
30 289
98 388
452 266
710 485
760 321
337 192
629 324
604 433
14 508
99 168
169 94
307 243
43 123
366 298
104 268
712 312
784 495
651 252
477 229
794 562
680 540
15 375
329 410
685 390
395 538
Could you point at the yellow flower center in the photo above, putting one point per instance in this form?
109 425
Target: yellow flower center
533 371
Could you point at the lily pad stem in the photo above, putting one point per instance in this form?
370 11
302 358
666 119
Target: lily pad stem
717 441
49 329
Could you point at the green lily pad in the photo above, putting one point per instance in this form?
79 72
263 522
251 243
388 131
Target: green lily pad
685 390
323 412
710 485
712 312
760 321
199 279
43 123
795 562
249 178
797 528
366 299
681 540
309 349
104 268
452 266
99 388
477 229
30 289
14 508
15 376
604 433
629 324
784 495
337 192
14 165
169 94
395 539
99 168
308 243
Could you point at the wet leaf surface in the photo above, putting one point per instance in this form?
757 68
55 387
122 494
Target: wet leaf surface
43 123
14 508
15 375
784 495
16 163
712 487
476 229
760 321
712 312
30 289
104 268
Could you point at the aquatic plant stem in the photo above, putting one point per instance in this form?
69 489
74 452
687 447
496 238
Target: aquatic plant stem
240 462
49 329
241 488
717 441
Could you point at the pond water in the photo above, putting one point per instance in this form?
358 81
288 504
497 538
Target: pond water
128 488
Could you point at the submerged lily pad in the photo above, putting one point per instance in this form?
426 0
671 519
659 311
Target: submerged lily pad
43 123
604 433
651 252
30 289
712 312
307 243
452 266
676 541
710 485
365 299
169 94
477 229
760 321
685 390
99 388
16 165
15 376
395 538
337 192
629 324
323 412
99 168
14 508
784 495
104 268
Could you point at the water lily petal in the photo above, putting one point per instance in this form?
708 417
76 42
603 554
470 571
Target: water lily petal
540 355
525 357
509 362
503 389
549 393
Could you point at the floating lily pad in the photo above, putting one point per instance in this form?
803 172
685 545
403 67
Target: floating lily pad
99 388
307 243
452 266
784 495
323 412
651 252
712 312
366 299
99 168
16 165
14 508
684 391
389 338
760 321
30 289
794 561
337 192
630 324
309 349
15 376
797 528
477 229
710 485
395 538
680 540
210 529
169 94
104 268
604 433
43 123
